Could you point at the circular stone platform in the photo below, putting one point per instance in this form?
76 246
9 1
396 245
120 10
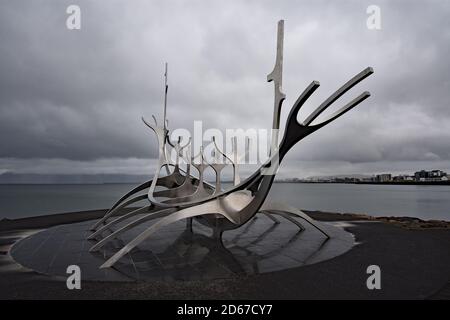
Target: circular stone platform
260 246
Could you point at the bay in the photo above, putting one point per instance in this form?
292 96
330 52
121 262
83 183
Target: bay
425 202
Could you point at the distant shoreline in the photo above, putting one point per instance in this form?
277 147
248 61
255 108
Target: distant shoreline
402 183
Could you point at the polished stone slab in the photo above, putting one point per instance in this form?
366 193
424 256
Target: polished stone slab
260 246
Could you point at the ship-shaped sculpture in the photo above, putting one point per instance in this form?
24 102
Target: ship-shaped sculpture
187 196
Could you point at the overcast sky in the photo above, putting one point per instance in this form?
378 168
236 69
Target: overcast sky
71 100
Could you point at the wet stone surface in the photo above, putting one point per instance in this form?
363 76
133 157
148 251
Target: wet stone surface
174 253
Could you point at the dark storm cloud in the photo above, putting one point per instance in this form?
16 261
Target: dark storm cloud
76 97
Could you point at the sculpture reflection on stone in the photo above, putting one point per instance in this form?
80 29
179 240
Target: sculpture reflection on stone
185 196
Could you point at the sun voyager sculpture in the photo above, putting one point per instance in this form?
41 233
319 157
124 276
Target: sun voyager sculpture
185 195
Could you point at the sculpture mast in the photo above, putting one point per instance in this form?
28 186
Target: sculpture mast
277 77
165 97
166 135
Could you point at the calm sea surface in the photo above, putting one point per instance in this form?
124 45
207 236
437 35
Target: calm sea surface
426 202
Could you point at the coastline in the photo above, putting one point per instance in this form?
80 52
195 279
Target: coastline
45 221
389 183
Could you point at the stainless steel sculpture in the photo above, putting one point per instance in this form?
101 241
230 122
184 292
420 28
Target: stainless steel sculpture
186 196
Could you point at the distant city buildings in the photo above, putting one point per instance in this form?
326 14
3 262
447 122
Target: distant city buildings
418 177
403 178
433 175
385 177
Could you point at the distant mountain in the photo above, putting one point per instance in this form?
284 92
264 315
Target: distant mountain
16 178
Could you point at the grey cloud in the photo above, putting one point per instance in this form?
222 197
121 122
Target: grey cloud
77 96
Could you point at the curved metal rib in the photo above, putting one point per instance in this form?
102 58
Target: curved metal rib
228 207
187 187
161 136
219 165
200 192
281 207
109 225
363 96
341 91
147 217
166 181
180 215
234 158
111 213
271 217
140 187
235 161
286 216
184 190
